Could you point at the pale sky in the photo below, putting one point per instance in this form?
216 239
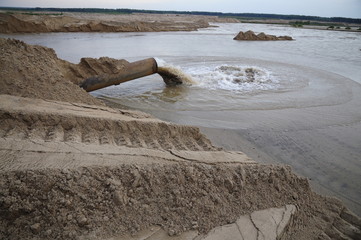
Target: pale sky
323 8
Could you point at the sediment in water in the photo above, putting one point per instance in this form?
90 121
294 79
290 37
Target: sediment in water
174 76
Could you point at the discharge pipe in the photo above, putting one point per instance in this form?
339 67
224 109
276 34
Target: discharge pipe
131 71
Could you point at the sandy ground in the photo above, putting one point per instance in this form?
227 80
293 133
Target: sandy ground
72 168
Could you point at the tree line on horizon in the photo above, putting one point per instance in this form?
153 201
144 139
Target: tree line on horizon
219 14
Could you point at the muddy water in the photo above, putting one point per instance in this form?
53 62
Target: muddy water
173 76
294 102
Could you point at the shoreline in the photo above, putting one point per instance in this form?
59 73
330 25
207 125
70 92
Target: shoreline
321 26
260 151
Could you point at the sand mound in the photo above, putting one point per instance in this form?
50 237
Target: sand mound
35 71
251 36
85 171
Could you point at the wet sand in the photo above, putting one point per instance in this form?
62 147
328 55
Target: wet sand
321 143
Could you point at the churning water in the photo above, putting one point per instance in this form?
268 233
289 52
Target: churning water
234 78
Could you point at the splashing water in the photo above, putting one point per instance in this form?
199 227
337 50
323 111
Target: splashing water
230 77
234 78
173 75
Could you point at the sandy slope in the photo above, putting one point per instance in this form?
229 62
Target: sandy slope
71 168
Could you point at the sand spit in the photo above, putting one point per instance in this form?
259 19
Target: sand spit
86 22
72 168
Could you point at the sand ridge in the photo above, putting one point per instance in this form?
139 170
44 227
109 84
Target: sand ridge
72 168
37 119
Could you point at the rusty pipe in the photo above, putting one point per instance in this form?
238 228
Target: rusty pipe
131 71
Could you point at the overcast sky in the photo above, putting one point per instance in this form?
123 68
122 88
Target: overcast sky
324 8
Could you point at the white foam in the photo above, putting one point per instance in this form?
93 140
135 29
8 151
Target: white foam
233 78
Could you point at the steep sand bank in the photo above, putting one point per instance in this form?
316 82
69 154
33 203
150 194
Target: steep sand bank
87 22
72 168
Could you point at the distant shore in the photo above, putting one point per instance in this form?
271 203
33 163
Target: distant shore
24 22
37 22
330 26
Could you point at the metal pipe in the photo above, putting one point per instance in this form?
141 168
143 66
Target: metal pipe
131 71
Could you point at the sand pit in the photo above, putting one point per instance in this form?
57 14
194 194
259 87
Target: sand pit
72 168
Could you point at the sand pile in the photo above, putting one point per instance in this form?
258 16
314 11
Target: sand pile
101 201
251 36
35 71
86 171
